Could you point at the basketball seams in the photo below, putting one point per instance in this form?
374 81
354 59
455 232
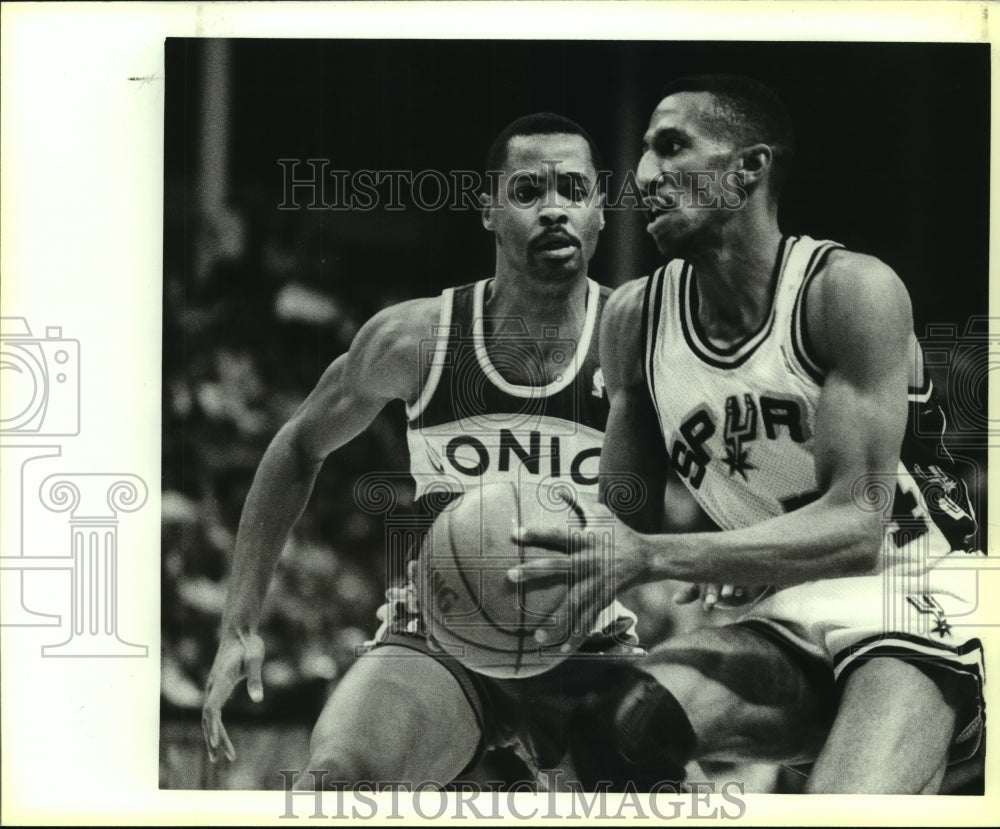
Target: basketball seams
483 523
432 605
475 595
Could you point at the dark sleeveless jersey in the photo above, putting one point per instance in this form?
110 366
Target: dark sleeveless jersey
471 426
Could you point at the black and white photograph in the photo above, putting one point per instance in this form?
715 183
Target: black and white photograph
497 411
413 288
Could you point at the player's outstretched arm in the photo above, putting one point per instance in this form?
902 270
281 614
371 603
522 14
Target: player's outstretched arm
382 364
860 324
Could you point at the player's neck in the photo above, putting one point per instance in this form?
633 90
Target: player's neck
736 278
537 304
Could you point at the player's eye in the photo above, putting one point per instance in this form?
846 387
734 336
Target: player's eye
525 193
572 189
666 146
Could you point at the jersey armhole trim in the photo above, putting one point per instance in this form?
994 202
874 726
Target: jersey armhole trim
804 350
438 356
644 325
652 311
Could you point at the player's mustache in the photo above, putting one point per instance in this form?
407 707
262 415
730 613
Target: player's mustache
554 238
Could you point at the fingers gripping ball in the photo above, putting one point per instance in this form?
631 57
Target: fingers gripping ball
471 609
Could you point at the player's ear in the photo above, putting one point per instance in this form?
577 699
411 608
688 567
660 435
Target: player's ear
755 161
486 208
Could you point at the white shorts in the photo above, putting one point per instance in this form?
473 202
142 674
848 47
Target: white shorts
921 616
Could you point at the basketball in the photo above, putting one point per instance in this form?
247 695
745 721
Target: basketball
470 608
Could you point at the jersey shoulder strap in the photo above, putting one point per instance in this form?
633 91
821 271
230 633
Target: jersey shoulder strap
434 349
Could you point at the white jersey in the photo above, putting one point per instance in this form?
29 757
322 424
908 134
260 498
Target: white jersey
739 425
739 421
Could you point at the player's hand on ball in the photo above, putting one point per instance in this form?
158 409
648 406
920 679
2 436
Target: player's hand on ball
597 571
240 656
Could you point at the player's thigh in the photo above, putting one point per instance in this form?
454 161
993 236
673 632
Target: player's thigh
892 733
398 711
746 695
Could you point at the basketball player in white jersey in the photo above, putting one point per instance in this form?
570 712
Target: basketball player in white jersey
776 375
501 382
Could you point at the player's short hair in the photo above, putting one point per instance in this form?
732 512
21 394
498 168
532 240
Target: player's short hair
749 112
538 123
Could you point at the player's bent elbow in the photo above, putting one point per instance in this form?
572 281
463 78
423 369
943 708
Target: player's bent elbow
292 448
861 555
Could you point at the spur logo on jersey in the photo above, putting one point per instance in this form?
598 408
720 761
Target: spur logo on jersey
574 457
741 425
743 417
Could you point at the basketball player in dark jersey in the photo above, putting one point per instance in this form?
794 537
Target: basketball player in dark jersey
501 382
775 374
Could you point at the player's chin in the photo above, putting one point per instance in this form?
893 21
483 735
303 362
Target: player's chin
665 244
560 271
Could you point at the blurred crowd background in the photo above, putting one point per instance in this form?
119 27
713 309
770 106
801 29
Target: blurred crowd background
259 300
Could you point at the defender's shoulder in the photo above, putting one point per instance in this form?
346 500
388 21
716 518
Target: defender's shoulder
626 301
386 351
622 334
400 325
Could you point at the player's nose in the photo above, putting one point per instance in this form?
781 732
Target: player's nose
553 210
646 171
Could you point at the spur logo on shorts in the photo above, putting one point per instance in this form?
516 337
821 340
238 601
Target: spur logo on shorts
928 605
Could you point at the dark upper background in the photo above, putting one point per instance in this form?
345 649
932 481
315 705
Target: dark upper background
893 161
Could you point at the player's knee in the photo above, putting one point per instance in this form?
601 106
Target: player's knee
367 745
334 764
350 745
354 759
384 723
